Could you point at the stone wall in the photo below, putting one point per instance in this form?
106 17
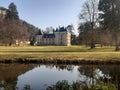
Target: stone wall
3 13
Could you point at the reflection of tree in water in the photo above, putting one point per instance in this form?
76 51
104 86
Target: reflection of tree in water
9 74
96 78
113 72
65 67
61 67
101 75
89 72
65 85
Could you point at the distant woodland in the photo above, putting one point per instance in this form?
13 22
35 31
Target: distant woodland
100 23
13 29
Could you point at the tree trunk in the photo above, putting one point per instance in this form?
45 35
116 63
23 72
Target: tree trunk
117 47
116 43
86 45
92 38
92 44
10 44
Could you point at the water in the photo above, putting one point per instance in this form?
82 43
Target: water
40 77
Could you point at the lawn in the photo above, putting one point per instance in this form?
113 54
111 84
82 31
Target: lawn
59 53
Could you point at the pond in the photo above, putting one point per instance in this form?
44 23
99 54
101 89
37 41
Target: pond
57 77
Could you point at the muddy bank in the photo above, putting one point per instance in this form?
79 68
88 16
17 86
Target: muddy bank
61 61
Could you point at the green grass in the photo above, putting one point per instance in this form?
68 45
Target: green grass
55 49
59 52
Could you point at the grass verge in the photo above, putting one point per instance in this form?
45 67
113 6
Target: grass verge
59 54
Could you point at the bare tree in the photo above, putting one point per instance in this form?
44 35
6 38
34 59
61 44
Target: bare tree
49 30
90 14
12 30
84 33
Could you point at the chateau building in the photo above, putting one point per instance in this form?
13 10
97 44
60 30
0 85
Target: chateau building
9 13
3 12
59 37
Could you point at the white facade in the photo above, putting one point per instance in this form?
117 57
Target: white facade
59 37
3 12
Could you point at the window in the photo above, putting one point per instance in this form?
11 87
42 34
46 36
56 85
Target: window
4 12
61 37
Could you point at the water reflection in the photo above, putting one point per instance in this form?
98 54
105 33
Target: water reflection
68 77
103 77
9 74
44 75
61 67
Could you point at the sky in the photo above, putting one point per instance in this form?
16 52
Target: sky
47 13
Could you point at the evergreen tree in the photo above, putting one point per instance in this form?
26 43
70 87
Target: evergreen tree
110 18
13 11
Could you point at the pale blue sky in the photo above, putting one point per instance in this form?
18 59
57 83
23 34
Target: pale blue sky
45 13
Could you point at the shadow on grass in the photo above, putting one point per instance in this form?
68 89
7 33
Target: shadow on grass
76 50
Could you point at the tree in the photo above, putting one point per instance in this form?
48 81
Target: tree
71 29
32 31
110 18
12 30
84 33
49 30
90 14
13 13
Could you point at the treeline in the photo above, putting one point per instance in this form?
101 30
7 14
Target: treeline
13 30
100 23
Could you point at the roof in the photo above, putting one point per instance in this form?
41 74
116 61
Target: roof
46 35
49 36
2 8
62 29
52 35
39 32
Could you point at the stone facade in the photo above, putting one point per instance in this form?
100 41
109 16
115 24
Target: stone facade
3 12
59 37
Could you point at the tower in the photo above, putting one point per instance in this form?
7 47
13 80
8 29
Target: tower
62 37
39 38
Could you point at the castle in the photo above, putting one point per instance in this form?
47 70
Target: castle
59 37
3 12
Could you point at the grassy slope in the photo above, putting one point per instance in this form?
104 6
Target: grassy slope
59 52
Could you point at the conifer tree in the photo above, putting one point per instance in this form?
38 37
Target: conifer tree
110 18
13 11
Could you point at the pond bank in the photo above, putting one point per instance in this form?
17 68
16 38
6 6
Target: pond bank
59 55
60 61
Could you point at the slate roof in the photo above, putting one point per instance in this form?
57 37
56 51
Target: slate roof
2 8
49 36
61 29
39 32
